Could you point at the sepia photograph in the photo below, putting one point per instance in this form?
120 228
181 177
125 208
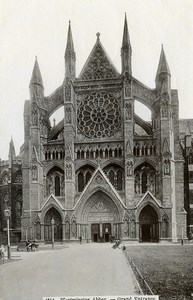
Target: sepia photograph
96 151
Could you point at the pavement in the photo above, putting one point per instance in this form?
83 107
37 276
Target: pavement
76 270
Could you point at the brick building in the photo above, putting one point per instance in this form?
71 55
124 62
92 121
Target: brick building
102 170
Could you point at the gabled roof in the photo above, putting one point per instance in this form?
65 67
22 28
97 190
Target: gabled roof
98 64
52 200
97 178
149 198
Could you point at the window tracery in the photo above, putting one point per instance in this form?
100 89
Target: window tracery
55 182
116 176
99 115
83 176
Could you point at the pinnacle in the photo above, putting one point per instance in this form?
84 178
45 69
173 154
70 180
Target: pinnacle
126 39
36 75
163 64
69 45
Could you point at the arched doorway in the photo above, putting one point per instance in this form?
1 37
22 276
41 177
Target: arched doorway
101 217
148 225
52 213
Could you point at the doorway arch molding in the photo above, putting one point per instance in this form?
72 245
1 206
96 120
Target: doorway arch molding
83 206
153 205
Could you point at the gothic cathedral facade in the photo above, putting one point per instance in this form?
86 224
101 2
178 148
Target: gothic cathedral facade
102 171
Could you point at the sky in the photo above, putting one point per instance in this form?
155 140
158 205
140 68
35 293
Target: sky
39 27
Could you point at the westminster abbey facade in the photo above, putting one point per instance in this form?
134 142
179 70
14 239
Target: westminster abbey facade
102 171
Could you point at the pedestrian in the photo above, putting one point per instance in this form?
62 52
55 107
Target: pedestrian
80 238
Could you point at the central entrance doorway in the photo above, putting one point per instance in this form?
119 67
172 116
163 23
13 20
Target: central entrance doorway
100 232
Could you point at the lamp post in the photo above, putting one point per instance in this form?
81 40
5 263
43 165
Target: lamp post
26 235
52 224
7 214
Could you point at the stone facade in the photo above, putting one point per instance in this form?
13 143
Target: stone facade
103 171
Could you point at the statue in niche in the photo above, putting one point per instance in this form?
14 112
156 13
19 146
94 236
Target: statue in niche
152 183
128 111
6 201
50 185
6 179
166 167
137 183
129 168
68 117
34 172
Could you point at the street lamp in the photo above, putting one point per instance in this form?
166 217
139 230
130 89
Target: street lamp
7 214
52 224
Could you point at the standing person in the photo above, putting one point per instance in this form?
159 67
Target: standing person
80 238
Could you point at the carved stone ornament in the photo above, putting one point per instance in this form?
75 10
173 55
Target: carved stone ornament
5 179
34 114
34 172
129 169
128 111
100 206
127 87
68 169
165 109
98 66
68 116
99 179
166 166
18 178
68 90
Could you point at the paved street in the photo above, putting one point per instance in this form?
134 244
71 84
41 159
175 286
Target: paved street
79 270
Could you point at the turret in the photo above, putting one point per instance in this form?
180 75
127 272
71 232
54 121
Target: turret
163 76
36 84
126 50
70 56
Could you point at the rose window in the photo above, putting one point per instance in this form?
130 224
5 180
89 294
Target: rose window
99 115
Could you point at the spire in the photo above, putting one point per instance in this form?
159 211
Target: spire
36 75
70 44
11 151
126 39
126 50
163 65
70 56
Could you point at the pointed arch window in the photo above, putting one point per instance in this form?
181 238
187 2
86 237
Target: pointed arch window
88 176
80 182
119 180
112 177
144 182
57 186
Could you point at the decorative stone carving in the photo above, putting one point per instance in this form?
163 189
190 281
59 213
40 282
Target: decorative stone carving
166 166
100 206
128 111
68 116
165 109
127 86
129 168
99 179
34 172
34 115
6 179
18 178
68 90
6 201
68 169
98 66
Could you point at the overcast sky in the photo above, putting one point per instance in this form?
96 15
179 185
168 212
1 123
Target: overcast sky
39 27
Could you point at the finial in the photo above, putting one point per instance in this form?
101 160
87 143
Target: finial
36 57
98 35
69 22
